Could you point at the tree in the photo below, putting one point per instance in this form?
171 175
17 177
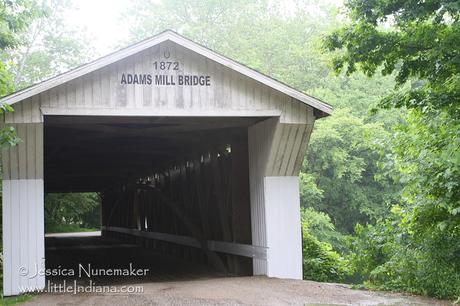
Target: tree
342 161
418 41
64 211
15 16
49 46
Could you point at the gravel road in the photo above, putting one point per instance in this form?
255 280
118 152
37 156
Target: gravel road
236 291
176 282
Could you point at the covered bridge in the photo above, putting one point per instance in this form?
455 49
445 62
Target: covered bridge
193 154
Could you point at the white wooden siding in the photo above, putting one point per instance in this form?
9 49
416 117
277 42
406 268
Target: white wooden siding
102 90
260 137
284 238
23 211
276 151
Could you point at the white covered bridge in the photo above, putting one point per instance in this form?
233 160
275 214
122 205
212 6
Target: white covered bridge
193 154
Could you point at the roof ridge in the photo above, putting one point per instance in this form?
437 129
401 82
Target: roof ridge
167 35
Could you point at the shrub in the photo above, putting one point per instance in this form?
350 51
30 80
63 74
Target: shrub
320 261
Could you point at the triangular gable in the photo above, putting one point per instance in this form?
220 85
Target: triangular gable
158 39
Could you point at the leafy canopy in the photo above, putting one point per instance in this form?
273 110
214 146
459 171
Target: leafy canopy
14 18
417 39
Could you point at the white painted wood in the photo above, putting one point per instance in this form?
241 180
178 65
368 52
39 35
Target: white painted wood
158 112
276 150
284 242
23 211
260 137
165 37
7 219
23 236
102 91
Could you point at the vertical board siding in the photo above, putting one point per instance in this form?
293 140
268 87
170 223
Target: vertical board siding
276 149
284 240
23 211
102 89
260 137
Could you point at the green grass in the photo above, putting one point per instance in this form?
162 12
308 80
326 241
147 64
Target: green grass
14 300
68 228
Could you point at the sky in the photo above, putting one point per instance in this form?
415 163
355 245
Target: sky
101 18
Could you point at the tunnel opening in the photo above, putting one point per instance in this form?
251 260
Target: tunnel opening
174 194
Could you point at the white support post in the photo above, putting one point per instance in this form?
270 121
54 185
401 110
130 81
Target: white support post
276 151
284 242
23 213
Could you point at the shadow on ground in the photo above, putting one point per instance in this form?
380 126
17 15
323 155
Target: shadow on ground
96 256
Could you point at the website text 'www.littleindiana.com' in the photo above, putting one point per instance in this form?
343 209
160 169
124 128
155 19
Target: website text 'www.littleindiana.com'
74 288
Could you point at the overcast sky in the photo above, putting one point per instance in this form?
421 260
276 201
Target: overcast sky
102 21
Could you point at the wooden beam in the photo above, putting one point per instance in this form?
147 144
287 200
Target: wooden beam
233 248
156 112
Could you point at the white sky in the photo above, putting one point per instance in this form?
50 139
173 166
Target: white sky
102 19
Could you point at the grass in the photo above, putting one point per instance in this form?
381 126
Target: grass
14 300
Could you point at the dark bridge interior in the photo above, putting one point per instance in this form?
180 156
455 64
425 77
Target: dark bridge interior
168 184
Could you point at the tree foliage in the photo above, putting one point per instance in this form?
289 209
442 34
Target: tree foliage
419 42
49 46
320 261
342 160
64 210
15 16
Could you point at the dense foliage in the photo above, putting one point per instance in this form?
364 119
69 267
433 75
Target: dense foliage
15 16
70 212
320 261
418 41
341 162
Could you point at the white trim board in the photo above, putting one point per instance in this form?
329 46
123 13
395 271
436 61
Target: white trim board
155 40
155 112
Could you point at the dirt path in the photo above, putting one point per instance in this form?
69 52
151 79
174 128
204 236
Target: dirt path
236 291
172 281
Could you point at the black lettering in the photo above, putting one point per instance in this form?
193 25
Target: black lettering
180 79
123 79
149 79
158 80
208 80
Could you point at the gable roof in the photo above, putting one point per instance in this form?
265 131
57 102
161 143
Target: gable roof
167 35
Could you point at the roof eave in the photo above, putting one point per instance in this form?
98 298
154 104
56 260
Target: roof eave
150 42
